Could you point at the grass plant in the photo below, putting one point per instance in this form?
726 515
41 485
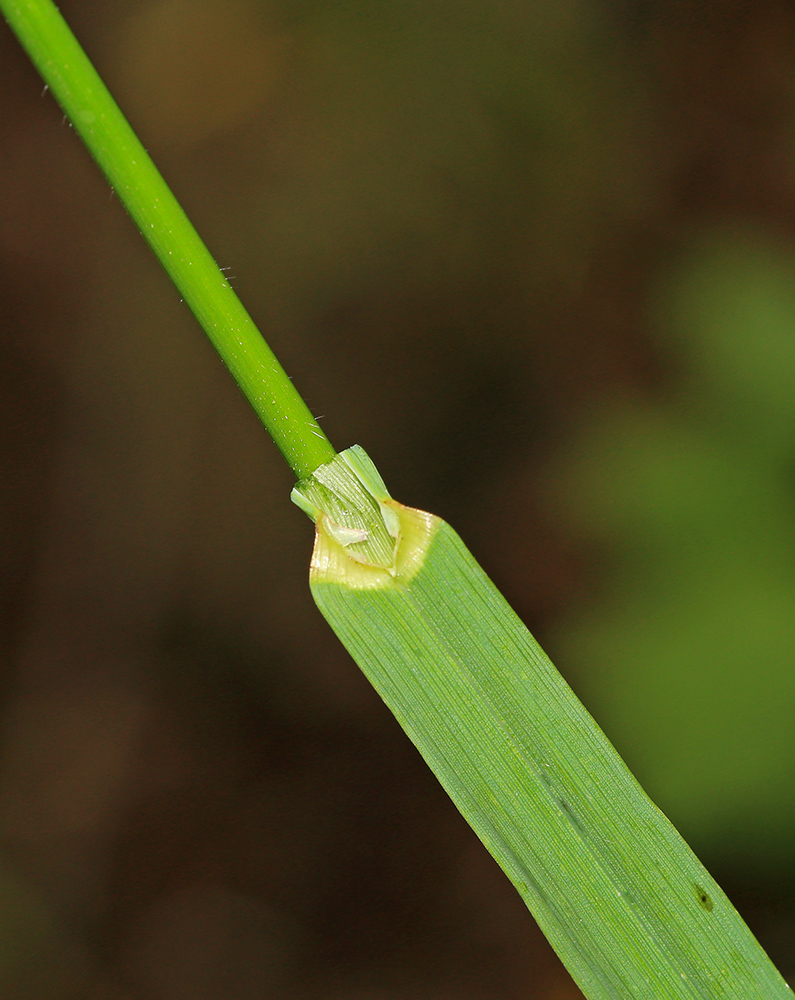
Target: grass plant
625 903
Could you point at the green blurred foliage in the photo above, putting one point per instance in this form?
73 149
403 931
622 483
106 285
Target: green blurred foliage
686 654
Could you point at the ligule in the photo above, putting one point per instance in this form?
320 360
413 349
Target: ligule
350 499
622 898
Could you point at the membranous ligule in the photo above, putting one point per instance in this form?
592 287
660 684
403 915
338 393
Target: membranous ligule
363 538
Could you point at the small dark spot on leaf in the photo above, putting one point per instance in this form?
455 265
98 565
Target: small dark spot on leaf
703 897
564 805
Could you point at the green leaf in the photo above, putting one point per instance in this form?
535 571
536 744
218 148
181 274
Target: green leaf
623 900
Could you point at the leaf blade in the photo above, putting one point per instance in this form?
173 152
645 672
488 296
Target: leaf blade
621 897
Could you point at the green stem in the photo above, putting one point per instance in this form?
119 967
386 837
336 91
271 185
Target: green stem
83 96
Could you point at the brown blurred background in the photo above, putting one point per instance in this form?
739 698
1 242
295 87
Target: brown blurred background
538 259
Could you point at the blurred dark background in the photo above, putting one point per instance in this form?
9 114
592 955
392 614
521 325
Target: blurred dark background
539 259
